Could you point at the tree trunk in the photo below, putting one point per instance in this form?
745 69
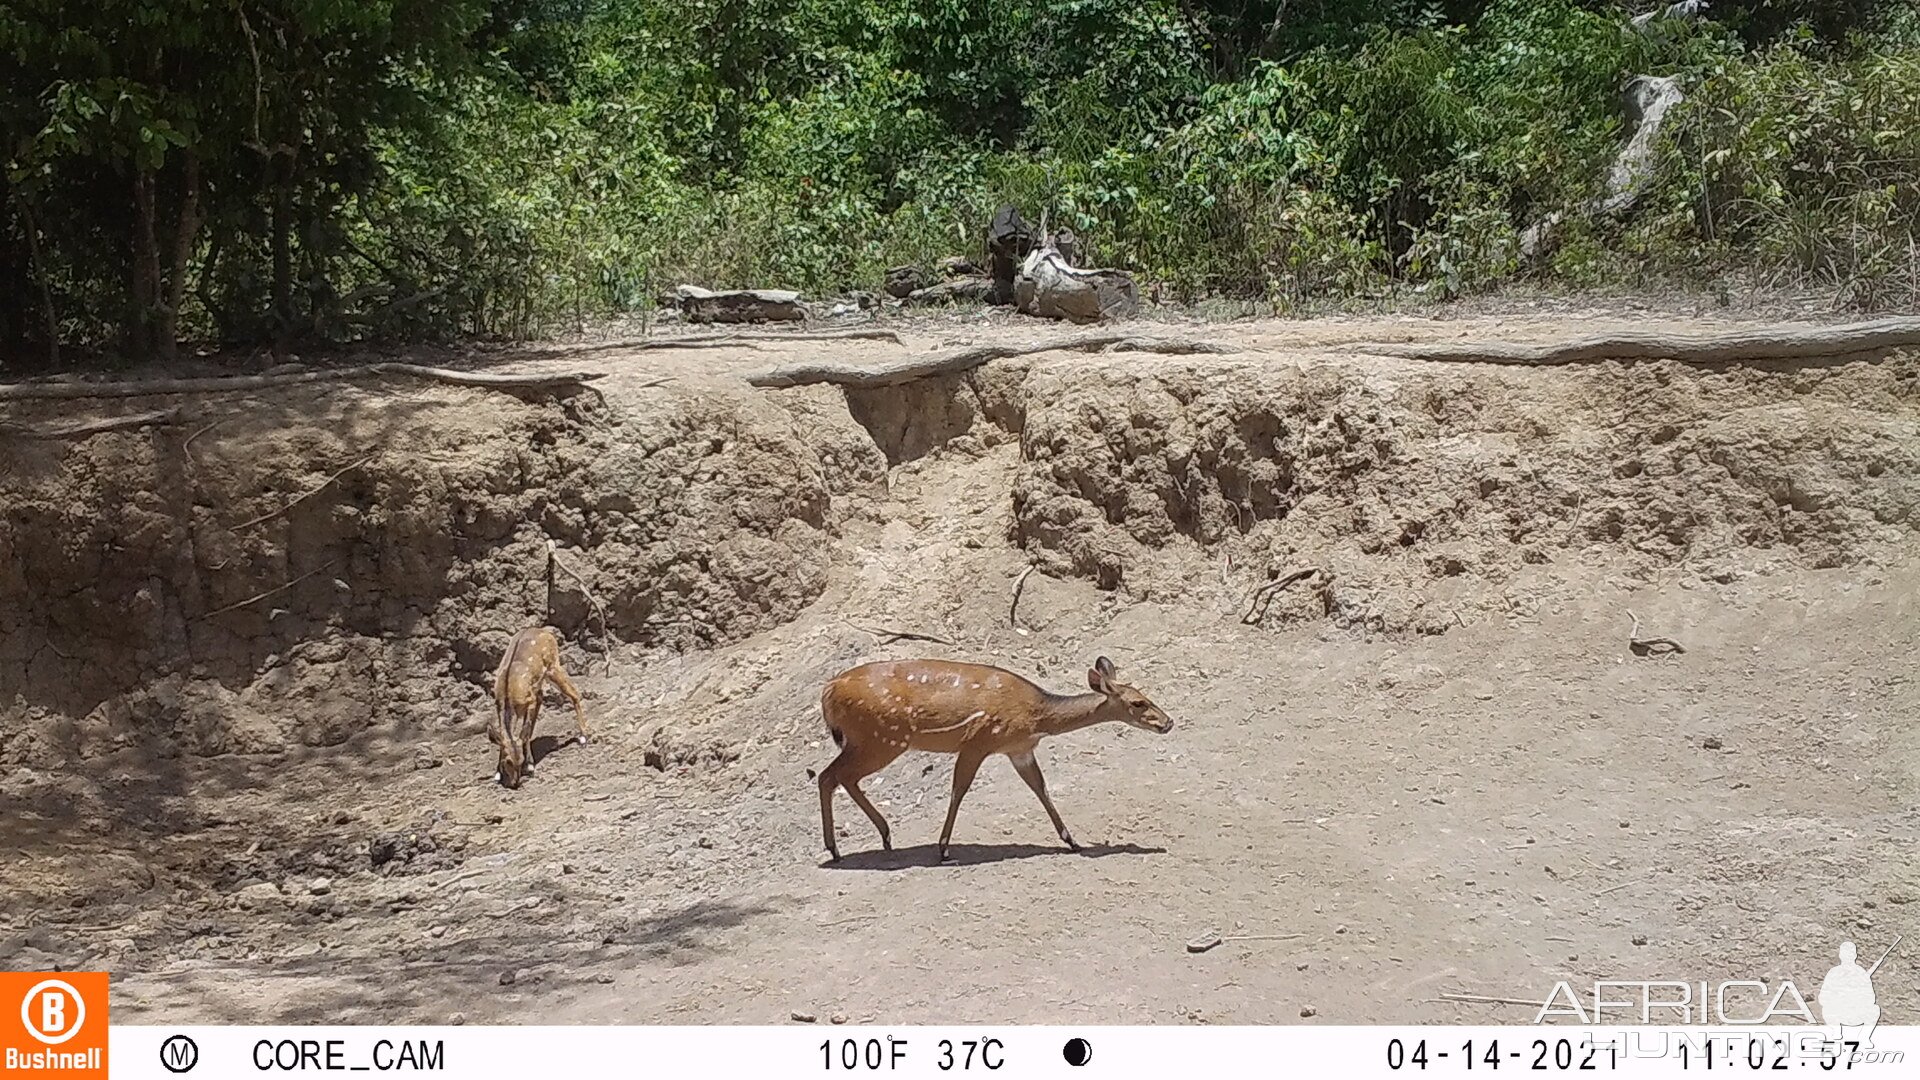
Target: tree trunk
282 227
146 269
186 231
36 262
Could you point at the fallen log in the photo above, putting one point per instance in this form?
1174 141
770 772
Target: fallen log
892 373
965 288
740 305
1734 346
904 281
1052 289
68 391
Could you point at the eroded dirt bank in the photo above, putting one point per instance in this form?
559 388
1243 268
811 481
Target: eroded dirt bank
1429 757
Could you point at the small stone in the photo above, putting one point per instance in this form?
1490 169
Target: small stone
604 979
438 931
341 817
1639 939
320 886
800 1017
507 978
1341 929
1626 824
426 761
1712 742
838 1018
256 896
457 1019
1308 1010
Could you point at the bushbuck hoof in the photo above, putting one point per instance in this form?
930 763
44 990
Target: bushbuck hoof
1068 840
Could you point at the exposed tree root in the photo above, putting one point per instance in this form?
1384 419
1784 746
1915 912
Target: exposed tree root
919 367
82 429
70 391
1764 343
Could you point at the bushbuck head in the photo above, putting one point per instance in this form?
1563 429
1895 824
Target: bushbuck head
511 769
1124 702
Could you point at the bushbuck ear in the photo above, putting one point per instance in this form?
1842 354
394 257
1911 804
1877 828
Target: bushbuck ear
1104 666
1096 681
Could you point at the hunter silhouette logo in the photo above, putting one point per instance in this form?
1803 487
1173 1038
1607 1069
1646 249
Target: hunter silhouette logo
1846 996
63 1023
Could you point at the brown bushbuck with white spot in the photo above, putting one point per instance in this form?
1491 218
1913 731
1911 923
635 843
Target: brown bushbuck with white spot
876 712
532 661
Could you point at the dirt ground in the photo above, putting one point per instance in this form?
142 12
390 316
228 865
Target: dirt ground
1439 769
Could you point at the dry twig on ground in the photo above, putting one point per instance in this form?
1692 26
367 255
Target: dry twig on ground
1263 596
1658 646
889 636
606 629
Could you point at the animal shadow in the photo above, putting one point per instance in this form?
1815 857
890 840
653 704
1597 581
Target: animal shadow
926 855
543 745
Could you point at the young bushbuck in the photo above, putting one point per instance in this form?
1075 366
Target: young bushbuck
876 712
532 661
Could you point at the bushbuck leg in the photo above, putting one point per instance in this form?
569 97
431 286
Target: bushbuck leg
964 768
525 735
1029 770
847 770
559 679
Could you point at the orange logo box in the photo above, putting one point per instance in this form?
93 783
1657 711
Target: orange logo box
53 1024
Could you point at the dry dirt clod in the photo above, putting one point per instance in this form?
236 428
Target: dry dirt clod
1639 939
507 978
1712 742
801 1017
1308 1010
838 1018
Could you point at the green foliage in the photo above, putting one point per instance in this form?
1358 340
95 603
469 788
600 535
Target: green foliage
250 170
